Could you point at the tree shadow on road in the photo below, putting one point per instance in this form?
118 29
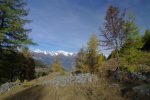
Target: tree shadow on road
33 93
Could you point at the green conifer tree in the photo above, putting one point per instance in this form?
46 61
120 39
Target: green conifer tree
131 50
13 34
13 38
146 40
81 61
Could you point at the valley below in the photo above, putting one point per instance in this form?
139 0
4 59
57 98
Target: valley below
47 58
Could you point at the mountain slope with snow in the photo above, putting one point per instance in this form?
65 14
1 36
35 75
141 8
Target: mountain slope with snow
54 53
48 57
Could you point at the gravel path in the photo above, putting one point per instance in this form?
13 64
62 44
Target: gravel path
65 80
58 80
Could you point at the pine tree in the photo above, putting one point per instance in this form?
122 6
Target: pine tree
57 66
13 38
13 35
28 63
146 40
89 59
81 59
133 44
92 53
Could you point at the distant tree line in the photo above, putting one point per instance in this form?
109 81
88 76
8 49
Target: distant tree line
15 59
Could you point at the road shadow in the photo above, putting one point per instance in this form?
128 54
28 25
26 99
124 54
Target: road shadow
33 93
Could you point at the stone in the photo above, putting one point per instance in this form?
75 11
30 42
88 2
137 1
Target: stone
8 86
142 90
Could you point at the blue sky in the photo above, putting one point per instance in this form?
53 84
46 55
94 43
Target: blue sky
68 24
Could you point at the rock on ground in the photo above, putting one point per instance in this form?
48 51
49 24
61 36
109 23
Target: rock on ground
7 86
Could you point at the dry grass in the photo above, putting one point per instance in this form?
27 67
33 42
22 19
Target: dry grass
100 90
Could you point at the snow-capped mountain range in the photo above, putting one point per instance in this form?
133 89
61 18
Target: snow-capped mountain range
54 53
48 57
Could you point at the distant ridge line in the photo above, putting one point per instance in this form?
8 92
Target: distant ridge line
54 53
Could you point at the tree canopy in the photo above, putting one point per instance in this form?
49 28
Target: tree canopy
13 33
146 39
15 59
89 59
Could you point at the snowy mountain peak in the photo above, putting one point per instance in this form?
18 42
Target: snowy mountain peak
54 53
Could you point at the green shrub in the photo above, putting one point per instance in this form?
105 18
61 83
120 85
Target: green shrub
26 84
17 80
128 68
40 74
